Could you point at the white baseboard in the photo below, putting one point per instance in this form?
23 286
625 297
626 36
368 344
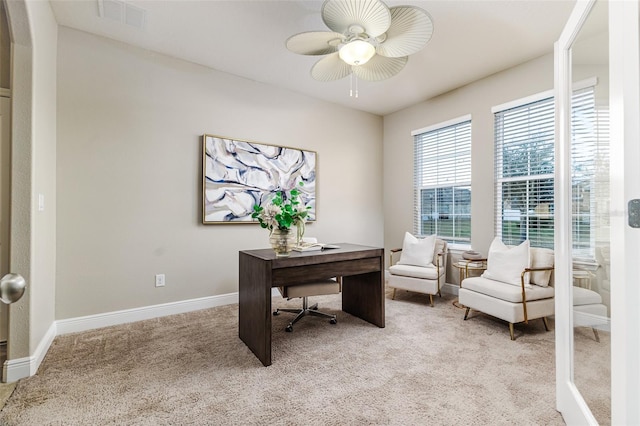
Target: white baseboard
450 288
16 369
91 322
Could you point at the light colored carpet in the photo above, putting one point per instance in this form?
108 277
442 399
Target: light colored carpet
6 389
427 366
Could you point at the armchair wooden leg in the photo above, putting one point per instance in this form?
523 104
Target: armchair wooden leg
466 313
511 331
393 296
596 335
431 300
546 324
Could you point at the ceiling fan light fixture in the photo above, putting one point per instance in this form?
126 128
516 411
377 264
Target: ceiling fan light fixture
367 39
357 52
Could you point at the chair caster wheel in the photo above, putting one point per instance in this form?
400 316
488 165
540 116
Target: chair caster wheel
276 313
333 321
289 329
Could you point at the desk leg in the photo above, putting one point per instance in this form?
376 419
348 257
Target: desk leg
254 314
363 296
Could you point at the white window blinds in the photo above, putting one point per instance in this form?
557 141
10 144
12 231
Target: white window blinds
442 182
589 173
524 157
524 168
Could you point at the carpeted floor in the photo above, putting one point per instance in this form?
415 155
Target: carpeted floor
427 366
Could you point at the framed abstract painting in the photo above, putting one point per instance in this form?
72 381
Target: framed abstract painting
237 174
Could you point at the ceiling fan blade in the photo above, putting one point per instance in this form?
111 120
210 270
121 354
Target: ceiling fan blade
330 68
380 68
314 42
411 28
372 16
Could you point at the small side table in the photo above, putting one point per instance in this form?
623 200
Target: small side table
466 267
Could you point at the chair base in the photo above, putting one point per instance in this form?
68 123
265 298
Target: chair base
511 331
393 296
306 310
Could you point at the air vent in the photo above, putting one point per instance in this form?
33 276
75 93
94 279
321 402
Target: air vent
123 12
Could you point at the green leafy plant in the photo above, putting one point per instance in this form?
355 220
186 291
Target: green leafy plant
283 212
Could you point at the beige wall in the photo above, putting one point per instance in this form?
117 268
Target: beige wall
129 172
476 99
45 30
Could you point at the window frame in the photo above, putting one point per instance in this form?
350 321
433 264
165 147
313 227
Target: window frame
421 139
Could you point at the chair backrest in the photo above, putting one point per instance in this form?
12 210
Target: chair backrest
440 247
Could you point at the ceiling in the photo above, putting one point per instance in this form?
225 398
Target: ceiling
472 39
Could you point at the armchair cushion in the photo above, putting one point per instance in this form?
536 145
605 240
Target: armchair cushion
417 251
504 291
429 272
584 296
505 264
316 288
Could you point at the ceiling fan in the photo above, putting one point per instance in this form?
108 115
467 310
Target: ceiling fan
368 39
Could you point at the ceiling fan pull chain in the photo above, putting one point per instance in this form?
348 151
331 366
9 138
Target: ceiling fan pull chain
352 93
351 85
356 77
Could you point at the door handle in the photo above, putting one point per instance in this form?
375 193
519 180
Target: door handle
12 288
634 213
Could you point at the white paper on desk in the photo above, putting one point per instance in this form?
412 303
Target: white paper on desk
314 246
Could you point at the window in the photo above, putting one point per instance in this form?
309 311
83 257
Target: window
524 167
524 157
589 173
442 181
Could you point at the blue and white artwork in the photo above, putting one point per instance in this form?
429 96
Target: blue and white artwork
239 174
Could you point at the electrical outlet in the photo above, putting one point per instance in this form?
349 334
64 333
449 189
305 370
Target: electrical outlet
159 280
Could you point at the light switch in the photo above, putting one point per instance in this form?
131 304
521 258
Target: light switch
41 202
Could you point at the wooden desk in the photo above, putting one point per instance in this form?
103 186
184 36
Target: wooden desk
361 269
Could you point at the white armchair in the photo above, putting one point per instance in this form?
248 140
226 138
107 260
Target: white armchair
588 310
517 286
419 266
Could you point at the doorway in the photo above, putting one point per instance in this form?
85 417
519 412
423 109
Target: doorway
5 170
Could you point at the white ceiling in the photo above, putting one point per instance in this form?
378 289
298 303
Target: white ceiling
472 39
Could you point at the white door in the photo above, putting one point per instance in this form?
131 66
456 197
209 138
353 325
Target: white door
5 198
619 375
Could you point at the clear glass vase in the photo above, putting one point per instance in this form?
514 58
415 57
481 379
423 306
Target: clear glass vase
282 241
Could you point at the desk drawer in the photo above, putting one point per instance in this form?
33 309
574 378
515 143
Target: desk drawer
307 273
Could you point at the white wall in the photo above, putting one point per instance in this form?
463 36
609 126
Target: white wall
476 99
129 173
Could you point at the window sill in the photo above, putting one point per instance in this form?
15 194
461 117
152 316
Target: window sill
459 248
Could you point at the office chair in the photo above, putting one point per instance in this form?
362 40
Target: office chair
304 291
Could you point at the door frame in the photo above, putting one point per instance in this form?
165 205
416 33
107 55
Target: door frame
624 72
624 103
569 401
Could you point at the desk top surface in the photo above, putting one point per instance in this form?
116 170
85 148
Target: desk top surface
346 249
